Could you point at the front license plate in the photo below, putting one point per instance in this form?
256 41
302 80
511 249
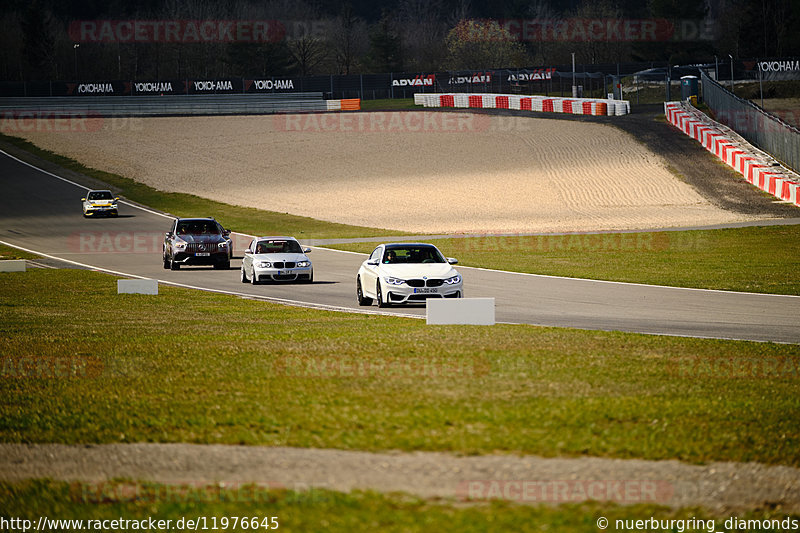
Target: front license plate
425 291
202 254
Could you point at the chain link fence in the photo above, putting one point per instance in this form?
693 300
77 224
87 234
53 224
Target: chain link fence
762 129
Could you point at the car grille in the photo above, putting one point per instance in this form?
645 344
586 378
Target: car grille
279 264
194 247
422 283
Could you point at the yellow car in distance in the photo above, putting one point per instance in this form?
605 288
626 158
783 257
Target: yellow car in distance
100 203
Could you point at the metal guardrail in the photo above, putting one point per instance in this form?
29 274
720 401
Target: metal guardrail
759 127
142 106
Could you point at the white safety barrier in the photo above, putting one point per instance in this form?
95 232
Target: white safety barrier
474 311
574 106
12 265
461 100
757 167
137 286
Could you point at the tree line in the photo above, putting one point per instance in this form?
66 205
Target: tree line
391 36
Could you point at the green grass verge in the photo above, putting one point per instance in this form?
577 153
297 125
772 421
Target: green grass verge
317 510
389 104
82 364
242 219
756 259
7 252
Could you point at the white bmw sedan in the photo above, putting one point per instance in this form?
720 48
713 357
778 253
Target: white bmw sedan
402 273
276 259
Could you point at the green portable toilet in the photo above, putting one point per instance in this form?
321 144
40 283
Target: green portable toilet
689 88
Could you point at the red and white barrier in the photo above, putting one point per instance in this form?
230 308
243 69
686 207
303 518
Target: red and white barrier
574 106
756 166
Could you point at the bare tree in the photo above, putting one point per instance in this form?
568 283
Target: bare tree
308 52
348 38
484 44
603 50
421 26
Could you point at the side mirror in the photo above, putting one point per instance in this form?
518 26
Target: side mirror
83 199
306 250
373 262
116 198
168 234
452 260
226 232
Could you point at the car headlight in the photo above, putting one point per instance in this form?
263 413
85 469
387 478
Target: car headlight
264 264
394 281
304 264
453 280
180 245
222 245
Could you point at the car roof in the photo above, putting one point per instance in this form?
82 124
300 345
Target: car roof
276 238
98 190
204 219
404 244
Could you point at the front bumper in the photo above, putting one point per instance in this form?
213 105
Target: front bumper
190 258
403 294
100 209
283 274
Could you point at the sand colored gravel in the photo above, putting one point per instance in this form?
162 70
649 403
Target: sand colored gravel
719 487
412 171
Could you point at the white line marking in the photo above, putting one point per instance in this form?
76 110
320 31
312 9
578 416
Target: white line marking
84 187
474 268
548 276
634 284
285 301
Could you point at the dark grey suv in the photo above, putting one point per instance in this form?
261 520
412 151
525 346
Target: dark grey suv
197 241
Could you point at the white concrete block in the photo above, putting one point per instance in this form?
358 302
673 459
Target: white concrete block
475 311
137 286
12 265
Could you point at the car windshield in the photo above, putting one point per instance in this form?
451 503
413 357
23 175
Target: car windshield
198 227
412 254
278 247
100 195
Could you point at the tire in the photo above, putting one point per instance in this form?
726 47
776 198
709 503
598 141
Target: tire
379 296
173 265
362 300
166 263
244 275
253 280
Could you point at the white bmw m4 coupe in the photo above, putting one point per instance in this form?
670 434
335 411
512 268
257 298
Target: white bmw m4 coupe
405 273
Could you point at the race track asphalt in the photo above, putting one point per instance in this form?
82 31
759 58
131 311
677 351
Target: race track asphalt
41 213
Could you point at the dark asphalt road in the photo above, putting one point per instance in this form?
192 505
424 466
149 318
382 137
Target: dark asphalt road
40 212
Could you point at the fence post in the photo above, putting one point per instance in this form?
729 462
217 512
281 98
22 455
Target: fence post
669 83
